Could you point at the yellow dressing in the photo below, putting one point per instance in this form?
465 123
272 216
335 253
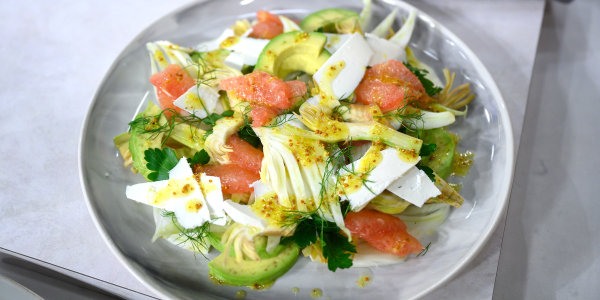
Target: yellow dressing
307 151
229 42
193 205
268 208
160 58
192 101
176 188
326 82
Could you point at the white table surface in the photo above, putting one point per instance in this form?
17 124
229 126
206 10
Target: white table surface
54 54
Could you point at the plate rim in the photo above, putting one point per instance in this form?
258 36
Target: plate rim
469 256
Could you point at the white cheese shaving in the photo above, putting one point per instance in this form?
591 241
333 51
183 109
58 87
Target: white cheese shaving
414 186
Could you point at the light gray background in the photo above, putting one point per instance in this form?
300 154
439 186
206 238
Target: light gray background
53 57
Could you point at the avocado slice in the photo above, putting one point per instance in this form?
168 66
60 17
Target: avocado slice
140 141
224 268
293 51
440 160
331 20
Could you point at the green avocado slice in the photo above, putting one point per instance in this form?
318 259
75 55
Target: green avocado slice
293 51
440 160
140 141
330 20
224 268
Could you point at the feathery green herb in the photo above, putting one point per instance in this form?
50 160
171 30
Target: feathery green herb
150 124
424 251
197 237
281 119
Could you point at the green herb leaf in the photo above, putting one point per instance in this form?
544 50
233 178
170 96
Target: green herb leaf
161 162
305 233
227 113
211 119
424 251
247 69
427 171
427 149
247 134
201 157
338 250
334 245
430 88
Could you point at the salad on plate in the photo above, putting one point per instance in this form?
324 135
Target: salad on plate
324 137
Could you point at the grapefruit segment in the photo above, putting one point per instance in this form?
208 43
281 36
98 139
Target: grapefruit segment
244 154
171 83
390 85
234 180
268 26
383 232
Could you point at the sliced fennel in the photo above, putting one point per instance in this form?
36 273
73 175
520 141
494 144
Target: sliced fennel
366 14
449 195
403 35
421 222
328 130
386 25
295 168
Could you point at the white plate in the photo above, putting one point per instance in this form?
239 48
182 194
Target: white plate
127 227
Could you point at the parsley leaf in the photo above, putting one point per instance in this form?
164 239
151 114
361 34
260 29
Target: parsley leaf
161 162
430 88
247 134
305 233
201 157
337 250
427 171
334 245
427 149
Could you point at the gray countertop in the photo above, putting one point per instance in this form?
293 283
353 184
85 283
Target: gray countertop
551 247
54 56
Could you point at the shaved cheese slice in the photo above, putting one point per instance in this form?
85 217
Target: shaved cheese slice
335 41
384 50
211 188
243 215
236 60
390 168
414 186
247 48
180 194
199 100
343 71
